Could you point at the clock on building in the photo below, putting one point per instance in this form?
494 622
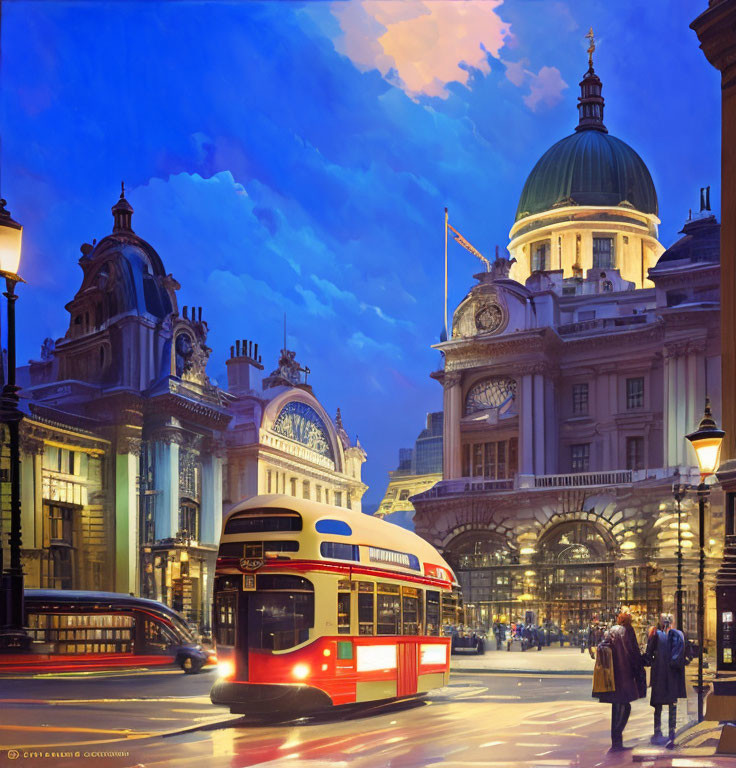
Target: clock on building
488 317
490 393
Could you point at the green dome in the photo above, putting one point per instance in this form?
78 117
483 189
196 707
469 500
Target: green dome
590 167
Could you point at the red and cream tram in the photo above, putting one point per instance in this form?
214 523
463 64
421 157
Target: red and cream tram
317 606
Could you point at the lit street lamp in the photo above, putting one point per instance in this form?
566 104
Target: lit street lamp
13 636
706 440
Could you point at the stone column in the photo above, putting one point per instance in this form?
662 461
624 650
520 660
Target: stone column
451 458
526 429
539 425
210 525
166 483
126 515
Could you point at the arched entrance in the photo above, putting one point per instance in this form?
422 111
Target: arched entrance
576 585
482 560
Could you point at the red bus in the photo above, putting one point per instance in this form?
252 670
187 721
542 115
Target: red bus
317 606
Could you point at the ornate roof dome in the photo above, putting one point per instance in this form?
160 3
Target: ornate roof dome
700 242
590 167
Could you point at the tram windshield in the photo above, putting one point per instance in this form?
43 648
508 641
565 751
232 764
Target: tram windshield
280 612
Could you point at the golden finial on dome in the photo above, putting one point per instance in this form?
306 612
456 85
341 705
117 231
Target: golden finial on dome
591 47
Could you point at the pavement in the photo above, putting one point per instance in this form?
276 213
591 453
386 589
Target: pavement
551 660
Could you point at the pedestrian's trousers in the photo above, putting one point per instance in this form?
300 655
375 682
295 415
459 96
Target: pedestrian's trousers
619 717
658 718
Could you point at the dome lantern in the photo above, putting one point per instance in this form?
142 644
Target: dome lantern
590 101
122 213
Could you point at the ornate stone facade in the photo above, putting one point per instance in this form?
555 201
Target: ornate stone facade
556 492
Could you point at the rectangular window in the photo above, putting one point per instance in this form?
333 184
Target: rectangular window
318 492
391 557
189 520
634 453
635 392
292 482
305 489
225 603
410 611
343 608
489 466
60 522
603 252
540 256
478 460
466 460
580 398
433 612
339 551
268 481
580 457
388 613
338 498
366 601
513 457
260 524
501 469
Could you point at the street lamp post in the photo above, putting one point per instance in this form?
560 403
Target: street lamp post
678 491
13 636
706 441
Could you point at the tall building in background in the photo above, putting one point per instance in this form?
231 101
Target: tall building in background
574 370
419 468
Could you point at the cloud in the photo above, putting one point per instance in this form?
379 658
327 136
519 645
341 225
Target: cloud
545 87
421 45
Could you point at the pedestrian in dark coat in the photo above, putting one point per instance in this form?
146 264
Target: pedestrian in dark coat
628 672
666 655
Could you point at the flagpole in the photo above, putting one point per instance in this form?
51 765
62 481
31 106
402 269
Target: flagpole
447 335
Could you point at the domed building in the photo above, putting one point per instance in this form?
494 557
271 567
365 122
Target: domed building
589 203
575 367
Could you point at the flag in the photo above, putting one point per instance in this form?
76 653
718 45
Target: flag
468 247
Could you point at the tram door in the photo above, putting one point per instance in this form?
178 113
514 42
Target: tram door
242 640
406 683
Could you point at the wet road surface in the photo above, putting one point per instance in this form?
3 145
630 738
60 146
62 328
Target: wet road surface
490 720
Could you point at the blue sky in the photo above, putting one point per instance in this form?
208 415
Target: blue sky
296 157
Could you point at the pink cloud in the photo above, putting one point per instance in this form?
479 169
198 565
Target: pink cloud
421 45
545 87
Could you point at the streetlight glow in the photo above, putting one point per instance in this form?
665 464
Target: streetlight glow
706 440
11 235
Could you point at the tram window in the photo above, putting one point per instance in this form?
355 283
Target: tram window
225 603
391 557
343 613
282 582
339 551
410 611
366 602
260 522
280 620
433 612
83 633
236 548
388 611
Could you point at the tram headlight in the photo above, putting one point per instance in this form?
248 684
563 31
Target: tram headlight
300 671
225 669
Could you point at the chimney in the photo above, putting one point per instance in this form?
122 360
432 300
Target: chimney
232 351
242 369
200 315
702 200
184 311
707 198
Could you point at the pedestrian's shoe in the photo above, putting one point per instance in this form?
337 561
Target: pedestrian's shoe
671 742
658 739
